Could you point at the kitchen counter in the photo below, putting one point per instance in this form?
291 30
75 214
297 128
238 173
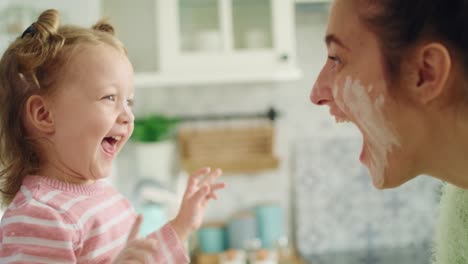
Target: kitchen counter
407 255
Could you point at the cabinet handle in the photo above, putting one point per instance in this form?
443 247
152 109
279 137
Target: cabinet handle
284 57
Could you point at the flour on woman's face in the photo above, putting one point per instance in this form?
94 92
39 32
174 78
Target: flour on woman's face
365 108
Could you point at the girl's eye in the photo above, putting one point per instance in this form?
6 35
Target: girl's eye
109 97
130 102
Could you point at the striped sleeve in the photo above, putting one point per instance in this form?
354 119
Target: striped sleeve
36 233
171 250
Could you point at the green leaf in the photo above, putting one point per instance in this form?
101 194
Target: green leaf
154 128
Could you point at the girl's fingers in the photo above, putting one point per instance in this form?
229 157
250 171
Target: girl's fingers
135 229
193 182
217 186
211 177
201 194
191 189
147 244
213 196
201 172
141 250
204 190
140 256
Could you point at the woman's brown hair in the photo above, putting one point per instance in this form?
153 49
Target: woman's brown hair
400 24
31 65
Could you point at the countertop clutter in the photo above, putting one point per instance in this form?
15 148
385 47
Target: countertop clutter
255 236
411 254
262 256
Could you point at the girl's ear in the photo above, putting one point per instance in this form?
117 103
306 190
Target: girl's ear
38 115
433 64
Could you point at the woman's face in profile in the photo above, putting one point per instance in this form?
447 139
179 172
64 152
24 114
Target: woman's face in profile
353 84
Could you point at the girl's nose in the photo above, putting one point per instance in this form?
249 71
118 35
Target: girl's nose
126 116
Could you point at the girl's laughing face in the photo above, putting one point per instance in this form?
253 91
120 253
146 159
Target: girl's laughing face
92 114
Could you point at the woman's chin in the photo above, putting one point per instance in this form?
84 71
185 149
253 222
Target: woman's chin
377 180
389 180
382 178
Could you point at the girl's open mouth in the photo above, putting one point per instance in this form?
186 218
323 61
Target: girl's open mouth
109 144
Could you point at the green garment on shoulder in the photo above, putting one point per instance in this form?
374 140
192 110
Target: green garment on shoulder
451 238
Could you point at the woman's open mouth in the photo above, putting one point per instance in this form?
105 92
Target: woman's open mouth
363 153
341 118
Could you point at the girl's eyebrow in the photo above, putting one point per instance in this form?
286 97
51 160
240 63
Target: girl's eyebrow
330 38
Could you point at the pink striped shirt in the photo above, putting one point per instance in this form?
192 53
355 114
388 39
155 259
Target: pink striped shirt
50 221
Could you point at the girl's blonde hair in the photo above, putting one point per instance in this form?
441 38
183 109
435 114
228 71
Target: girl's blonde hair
32 65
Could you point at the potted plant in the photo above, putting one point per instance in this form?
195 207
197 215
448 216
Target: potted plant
153 138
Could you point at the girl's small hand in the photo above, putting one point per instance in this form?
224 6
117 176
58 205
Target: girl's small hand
137 251
194 202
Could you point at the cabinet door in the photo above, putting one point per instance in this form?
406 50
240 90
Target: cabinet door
83 12
252 25
226 37
136 26
17 15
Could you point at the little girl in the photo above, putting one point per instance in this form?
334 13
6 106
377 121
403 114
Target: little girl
66 94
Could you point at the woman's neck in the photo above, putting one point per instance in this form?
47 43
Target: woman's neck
447 155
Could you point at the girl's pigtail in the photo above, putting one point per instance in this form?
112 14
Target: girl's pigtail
103 26
40 43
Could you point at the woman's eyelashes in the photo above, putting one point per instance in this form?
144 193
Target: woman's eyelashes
336 61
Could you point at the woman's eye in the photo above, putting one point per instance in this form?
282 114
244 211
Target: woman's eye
336 61
130 102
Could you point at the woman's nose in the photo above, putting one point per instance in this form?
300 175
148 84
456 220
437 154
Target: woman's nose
321 93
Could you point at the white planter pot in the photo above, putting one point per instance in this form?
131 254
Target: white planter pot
156 160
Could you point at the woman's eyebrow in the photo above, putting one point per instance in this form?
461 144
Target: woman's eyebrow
330 38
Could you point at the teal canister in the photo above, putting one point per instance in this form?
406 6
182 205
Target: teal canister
270 226
241 229
154 217
212 237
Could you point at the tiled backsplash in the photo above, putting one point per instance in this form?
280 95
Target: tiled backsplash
338 210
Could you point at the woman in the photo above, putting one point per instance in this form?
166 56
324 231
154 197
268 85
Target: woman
398 70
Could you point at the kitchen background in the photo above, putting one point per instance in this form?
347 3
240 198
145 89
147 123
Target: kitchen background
209 71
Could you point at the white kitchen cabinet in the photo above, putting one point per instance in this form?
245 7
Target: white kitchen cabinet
183 42
313 1
17 15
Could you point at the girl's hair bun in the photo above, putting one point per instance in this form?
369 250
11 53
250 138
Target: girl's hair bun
104 26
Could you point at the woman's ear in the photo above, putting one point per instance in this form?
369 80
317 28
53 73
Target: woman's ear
38 115
433 63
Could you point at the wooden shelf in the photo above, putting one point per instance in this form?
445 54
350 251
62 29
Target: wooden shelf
246 165
233 149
